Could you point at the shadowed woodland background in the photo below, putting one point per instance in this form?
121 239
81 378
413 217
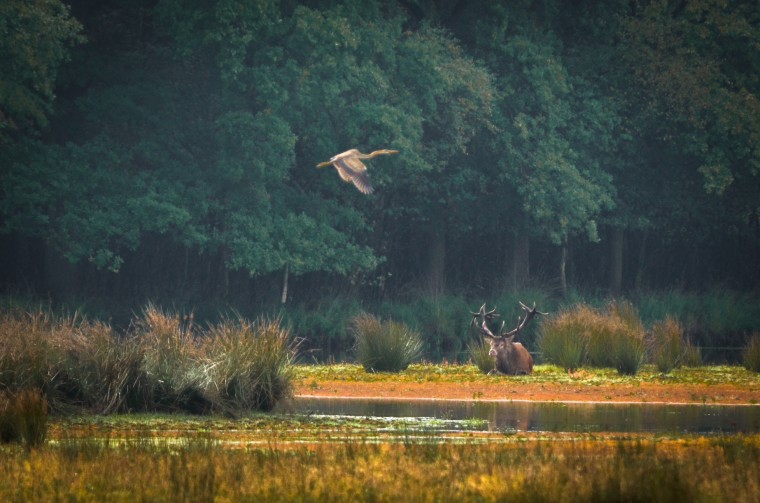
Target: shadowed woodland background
165 150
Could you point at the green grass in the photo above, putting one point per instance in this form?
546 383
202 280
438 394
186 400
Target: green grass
542 374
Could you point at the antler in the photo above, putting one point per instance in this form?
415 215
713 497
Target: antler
521 322
484 315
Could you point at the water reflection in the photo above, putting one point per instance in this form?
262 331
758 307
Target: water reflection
551 417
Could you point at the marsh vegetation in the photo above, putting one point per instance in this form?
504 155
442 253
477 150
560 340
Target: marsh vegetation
271 458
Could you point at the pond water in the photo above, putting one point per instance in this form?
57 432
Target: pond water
548 416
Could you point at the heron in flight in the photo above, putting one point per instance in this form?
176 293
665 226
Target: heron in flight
351 168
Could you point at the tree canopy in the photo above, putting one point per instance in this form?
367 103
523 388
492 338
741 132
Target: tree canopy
170 145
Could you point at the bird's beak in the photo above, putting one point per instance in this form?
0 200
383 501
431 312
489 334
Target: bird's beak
391 152
323 164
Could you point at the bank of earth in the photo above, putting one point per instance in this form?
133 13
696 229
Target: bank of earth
710 385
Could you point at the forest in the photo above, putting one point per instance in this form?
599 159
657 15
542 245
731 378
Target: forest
165 150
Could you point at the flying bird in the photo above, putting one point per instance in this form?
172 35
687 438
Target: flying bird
351 168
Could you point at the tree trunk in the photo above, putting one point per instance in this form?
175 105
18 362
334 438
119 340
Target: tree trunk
563 268
436 266
617 240
639 281
284 297
519 271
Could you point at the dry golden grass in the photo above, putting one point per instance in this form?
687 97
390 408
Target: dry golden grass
162 363
538 469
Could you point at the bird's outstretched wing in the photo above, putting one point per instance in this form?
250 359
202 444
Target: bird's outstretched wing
353 170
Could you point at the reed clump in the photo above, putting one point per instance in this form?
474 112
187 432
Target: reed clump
162 363
582 335
250 363
384 346
667 345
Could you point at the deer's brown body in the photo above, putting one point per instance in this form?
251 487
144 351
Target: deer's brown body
511 358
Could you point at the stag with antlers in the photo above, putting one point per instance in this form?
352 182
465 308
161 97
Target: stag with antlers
511 358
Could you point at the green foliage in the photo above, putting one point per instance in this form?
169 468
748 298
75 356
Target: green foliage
323 328
711 318
384 346
192 130
36 39
751 354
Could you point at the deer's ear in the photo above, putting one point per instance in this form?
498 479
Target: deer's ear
509 339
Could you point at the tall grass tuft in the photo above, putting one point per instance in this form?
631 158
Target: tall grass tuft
26 350
667 347
751 354
249 364
105 369
479 354
23 417
171 357
162 364
384 346
581 335
626 337
563 338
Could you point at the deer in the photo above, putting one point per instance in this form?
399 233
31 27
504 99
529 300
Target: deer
511 358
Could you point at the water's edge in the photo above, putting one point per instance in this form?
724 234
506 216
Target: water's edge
546 416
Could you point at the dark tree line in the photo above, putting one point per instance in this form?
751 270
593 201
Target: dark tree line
166 149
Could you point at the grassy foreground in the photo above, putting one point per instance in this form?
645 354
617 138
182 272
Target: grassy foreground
270 458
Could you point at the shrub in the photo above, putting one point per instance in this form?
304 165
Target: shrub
626 338
478 351
600 331
384 346
582 335
667 347
563 338
23 417
249 364
751 354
